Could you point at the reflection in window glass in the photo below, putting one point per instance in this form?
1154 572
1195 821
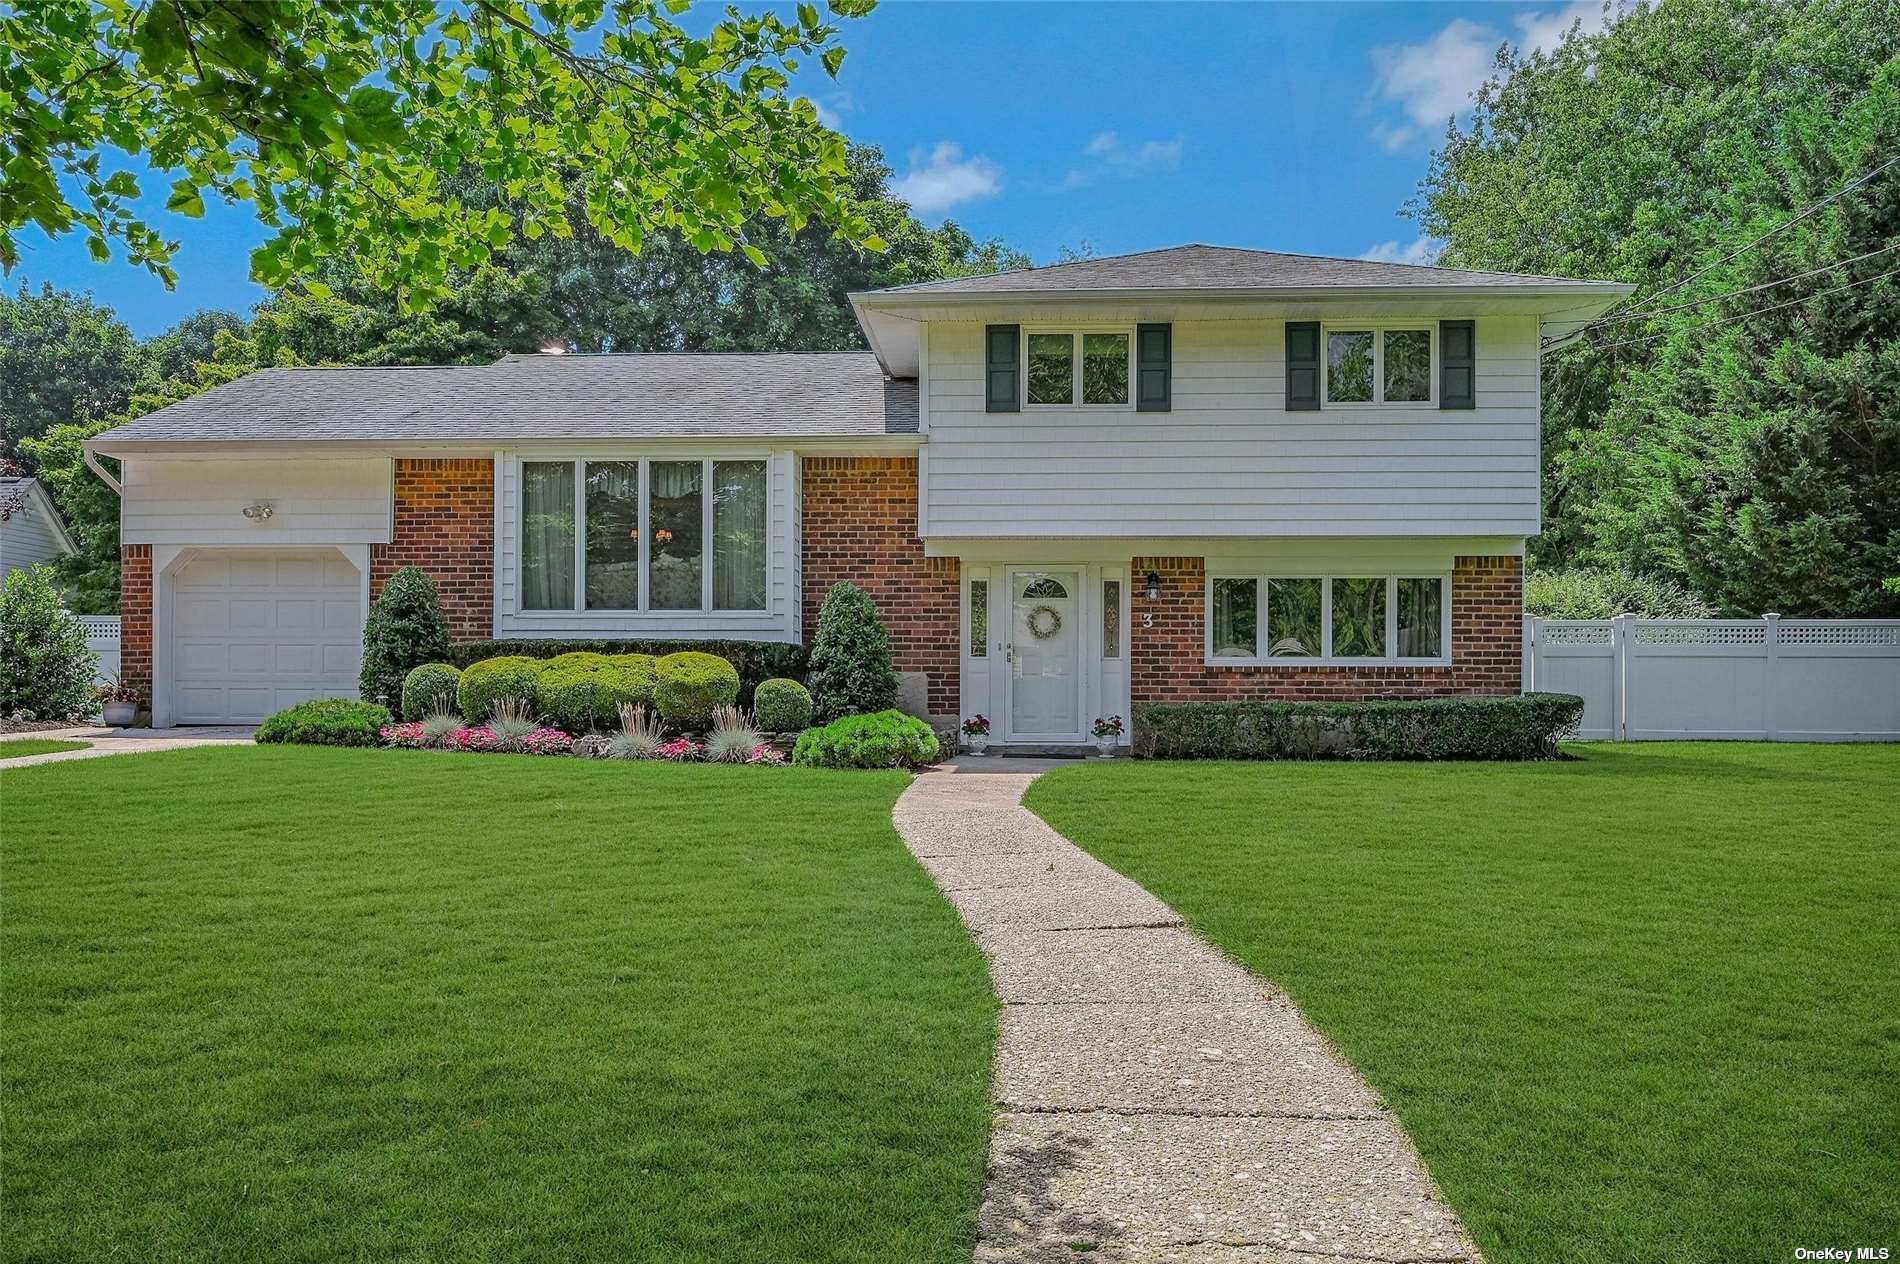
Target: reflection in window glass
675 553
1358 618
1408 365
613 535
738 535
547 535
1421 618
979 618
1051 369
1105 368
1293 618
1236 618
1111 618
1349 366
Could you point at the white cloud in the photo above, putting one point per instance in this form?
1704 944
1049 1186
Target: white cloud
833 106
1423 250
1432 80
941 177
1107 154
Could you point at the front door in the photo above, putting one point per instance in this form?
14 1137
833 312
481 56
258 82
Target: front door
1045 679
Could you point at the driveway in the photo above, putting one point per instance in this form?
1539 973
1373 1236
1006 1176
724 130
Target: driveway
133 741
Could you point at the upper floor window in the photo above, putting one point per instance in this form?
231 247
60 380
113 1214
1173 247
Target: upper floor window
643 535
1077 366
1379 364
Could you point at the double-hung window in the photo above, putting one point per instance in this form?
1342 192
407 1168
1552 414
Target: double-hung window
644 535
1379 364
1070 367
1303 620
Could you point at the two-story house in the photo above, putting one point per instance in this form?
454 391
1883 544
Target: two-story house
1189 473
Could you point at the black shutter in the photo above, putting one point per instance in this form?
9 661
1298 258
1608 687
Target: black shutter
1457 364
1002 359
1154 368
1302 365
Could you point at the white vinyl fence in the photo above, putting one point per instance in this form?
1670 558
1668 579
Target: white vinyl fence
102 638
1767 679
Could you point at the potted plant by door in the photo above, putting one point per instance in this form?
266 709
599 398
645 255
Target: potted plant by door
119 701
1107 733
976 734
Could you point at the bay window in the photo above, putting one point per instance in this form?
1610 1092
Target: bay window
1328 619
643 535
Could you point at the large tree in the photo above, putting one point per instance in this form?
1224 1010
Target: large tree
63 358
344 124
1753 453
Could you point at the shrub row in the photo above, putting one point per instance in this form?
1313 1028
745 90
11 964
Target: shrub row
1527 727
883 739
581 692
754 661
327 722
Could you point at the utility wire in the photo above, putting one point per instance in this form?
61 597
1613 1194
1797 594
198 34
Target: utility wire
1811 209
1741 316
1716 298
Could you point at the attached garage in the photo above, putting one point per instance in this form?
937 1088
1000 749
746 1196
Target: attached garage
252 630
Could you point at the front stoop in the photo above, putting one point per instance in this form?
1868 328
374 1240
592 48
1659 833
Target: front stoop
1155 1101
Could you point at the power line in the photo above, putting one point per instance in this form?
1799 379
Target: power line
1810 210
1741 316
1592 322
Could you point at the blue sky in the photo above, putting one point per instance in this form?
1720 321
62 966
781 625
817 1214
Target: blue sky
1300 127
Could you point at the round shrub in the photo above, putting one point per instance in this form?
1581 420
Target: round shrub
493 679
327 722
781 706
583 692
430 687
46 668
690 685
883 739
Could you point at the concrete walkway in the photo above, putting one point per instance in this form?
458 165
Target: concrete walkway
131 741
1157 1102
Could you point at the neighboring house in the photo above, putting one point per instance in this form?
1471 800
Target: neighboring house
31 531
1189 473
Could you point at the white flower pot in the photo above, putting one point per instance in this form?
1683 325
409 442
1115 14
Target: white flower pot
121 714
978 744
1105 745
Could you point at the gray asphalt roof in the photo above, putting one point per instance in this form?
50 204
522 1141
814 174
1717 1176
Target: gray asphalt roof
638 396
1199 267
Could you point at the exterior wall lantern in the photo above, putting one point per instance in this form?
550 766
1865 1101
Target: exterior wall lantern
1154 586
259 512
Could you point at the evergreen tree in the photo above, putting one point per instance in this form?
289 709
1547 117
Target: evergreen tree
851 671
405 629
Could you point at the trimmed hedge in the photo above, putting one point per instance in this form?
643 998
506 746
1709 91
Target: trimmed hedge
327 722
691 684
1527 727
755 661
430 687
882 739
488 682
583 692
782 706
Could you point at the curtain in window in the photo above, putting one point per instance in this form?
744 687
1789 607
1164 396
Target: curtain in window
547 535
675 553
1421 618
1236 618
613 535
739 535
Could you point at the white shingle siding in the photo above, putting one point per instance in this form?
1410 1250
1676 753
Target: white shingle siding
1229 460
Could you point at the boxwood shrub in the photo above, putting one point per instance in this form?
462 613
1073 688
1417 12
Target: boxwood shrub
430 687
486 683
690 685
327 722
882 739
1527 727
782 706
755 661
583 692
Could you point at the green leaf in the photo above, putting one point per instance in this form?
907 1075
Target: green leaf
833 58
185 200
755 254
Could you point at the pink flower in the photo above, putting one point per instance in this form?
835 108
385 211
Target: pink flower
765 754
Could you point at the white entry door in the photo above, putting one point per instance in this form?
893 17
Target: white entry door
1044 658
253 631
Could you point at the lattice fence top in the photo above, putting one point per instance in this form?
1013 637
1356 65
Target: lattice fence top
99 625
1839 632
1577 632
1701 632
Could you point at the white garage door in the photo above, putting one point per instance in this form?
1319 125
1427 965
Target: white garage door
254 631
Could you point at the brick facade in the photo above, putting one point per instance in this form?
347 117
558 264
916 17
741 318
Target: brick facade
858 521
135 618
1167 644
445 523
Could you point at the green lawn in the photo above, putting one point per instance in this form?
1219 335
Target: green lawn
306 1004
21 747
1642 1005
